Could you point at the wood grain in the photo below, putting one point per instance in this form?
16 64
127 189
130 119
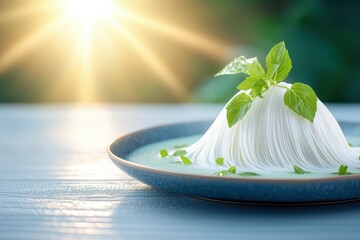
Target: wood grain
56 182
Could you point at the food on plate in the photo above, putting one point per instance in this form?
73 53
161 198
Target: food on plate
271 125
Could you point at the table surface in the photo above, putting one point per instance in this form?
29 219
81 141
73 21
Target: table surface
56 182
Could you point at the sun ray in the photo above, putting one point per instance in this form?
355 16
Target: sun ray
62 80
25 11
78 25
86 80
27 44
201 43
77 73
164 73
84 16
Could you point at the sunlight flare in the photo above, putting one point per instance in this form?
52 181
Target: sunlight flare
200 43
84 16
87 13
28 44
165 74
73 29
25 11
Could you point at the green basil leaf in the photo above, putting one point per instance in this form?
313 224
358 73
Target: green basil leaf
177 162
238 65
343 170
248 83
246 174
232 169
299 170
164 153
180 146
302 99
255 69
258 88
223 173
179 153
237 108
278 63
185 160
220 161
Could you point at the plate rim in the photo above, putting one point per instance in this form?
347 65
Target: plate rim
142 167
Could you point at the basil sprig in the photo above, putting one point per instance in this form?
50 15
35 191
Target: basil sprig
300 97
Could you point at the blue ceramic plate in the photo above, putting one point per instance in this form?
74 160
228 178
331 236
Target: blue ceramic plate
332 188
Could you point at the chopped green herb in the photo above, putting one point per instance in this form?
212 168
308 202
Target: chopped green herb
180 146
232 169
164 153
299 170
300 98
248 174
359 157
350 145
223 173
185 160
343 170
220 161
179 153
177 162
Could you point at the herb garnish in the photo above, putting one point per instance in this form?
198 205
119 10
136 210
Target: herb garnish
232 169
343 170
350 145
220 161
237 108
177 162
300 97
180 146
179 153
223 173
248 174
164 153
232 172
299 170
185 160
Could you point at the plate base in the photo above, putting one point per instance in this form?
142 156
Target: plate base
278 203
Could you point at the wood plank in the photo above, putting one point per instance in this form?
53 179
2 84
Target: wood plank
56 182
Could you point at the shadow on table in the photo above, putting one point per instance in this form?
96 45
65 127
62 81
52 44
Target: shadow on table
148 213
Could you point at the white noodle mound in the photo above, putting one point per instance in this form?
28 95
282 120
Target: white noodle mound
272 137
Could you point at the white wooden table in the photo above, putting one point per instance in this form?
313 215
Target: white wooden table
56 182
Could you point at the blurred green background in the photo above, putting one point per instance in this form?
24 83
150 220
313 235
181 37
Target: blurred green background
186 42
